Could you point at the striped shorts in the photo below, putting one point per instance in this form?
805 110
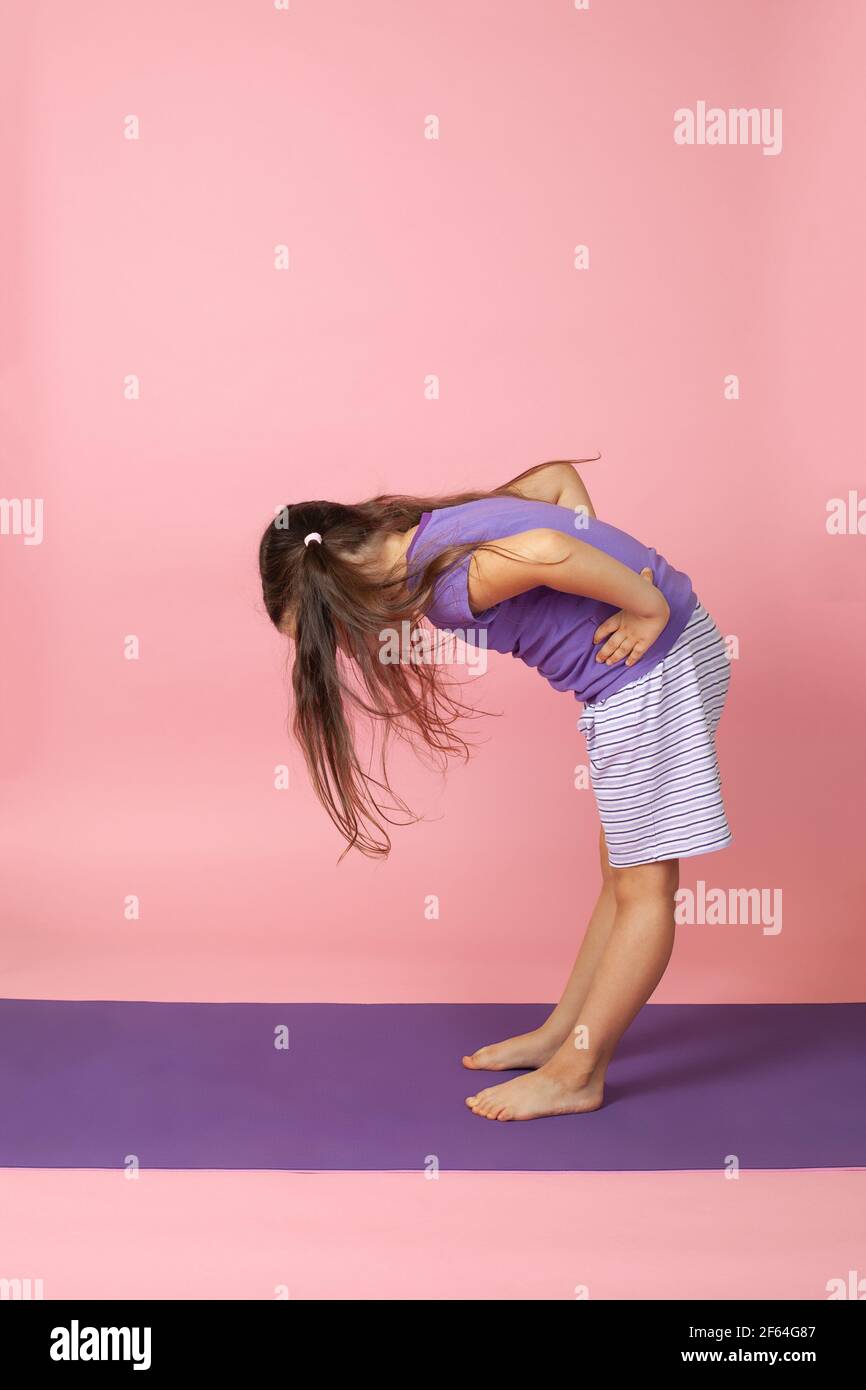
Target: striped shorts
652 753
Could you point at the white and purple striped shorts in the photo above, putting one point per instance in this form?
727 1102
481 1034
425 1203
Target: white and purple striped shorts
652 753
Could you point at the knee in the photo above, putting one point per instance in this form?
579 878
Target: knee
641 882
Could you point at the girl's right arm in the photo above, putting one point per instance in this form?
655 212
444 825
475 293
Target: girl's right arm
557 482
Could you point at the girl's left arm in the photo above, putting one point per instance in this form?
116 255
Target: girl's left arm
558 561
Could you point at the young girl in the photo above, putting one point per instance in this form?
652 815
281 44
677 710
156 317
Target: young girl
597 613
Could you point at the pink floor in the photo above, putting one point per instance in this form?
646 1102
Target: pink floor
261 1235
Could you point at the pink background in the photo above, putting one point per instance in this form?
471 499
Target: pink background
93 1234
259 387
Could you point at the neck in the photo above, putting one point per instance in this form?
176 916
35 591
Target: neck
394 546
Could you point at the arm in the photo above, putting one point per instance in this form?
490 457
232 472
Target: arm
551 558
558 482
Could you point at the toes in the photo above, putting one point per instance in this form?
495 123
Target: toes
490 1104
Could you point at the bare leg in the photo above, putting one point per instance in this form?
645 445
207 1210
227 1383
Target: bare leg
561 1023
633 962
534 1049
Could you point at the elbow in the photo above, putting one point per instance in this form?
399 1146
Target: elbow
563 477
546 546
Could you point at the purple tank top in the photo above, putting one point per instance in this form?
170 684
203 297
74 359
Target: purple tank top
546 629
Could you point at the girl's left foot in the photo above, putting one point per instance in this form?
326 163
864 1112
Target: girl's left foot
554 1089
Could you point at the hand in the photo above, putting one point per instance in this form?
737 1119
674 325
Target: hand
629 636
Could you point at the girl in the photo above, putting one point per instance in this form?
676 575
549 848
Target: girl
598 614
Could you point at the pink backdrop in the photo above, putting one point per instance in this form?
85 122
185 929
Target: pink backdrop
407 257
265 1235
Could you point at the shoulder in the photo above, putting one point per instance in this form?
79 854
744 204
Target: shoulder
518 563
489 518
541 543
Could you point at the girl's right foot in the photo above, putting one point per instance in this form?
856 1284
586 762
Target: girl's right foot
528 1050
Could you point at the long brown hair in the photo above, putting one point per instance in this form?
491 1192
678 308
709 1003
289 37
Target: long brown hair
338 603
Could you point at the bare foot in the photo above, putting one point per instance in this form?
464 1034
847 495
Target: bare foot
552 1090
526 1050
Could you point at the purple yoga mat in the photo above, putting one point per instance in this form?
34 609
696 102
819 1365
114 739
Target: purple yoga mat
380 1086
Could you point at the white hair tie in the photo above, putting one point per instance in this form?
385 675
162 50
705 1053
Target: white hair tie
313 536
